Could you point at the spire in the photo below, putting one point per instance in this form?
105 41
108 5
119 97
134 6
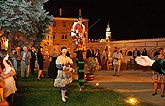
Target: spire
108 27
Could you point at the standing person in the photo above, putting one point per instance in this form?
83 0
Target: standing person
33 59
136 53
78 34
40 59
116 57
104 59
52 69
90 52
62 63
25 62
144 52
78 38
158 68
14 58
8 73
97 55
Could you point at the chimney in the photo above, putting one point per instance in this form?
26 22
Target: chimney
60 11
79 12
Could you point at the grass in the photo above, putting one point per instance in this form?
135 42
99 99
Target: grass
42 93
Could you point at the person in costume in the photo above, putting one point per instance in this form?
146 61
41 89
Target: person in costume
117 57
158 67
78 38
64 63
7 73
78 34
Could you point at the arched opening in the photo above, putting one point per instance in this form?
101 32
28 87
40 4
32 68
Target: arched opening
129 53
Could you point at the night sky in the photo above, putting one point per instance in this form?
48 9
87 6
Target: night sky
128 19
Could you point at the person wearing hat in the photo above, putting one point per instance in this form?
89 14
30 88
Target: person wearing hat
63 63
78 38
78 34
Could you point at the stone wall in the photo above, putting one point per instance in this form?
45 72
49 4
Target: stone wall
127 46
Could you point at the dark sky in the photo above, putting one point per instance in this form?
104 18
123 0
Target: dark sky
128 19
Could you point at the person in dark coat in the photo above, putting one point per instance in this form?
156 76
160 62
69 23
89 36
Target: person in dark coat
144 52
40 59
52 69
90 53
32 60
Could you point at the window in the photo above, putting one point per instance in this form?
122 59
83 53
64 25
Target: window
54 34
63 36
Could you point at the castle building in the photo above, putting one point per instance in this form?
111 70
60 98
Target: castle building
59 34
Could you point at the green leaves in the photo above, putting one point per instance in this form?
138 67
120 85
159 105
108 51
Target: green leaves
29 18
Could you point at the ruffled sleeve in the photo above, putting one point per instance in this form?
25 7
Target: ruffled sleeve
59 63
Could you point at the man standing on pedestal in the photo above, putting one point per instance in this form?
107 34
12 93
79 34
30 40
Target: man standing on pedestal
78 37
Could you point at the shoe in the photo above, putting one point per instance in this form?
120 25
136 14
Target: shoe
162 95
38 79
154 94
66 97
113 75
63 99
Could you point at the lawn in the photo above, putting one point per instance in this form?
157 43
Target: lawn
42 93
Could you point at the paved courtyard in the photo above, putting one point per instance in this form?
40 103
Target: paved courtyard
134 83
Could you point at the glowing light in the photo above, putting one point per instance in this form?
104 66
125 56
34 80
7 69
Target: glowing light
47 52
97 84
131 100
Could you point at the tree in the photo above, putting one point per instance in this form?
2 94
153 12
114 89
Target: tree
24 21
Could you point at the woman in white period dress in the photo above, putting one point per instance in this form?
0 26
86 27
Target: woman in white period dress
7 74
63 63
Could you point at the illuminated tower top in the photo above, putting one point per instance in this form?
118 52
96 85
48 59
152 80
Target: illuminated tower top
108 32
